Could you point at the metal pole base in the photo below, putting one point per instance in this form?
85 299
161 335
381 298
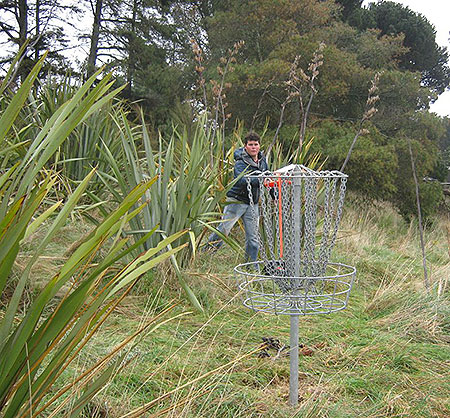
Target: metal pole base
293 361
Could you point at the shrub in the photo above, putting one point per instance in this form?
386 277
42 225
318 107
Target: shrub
373 164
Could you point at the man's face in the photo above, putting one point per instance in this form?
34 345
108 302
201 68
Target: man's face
252 148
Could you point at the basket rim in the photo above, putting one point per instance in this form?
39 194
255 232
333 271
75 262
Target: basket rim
245 287
239 269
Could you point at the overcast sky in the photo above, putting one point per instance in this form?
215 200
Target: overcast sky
438 13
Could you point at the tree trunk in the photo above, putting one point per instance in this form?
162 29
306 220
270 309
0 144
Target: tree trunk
22 20
93 52
131 50
38 30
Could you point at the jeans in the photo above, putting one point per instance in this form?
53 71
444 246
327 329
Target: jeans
231 214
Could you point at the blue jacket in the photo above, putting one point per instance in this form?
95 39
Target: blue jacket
243 162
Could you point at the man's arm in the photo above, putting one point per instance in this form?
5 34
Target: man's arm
239 168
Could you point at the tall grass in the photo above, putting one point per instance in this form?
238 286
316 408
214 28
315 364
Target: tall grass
386 355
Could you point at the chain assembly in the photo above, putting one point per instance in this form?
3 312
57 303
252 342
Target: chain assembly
297 215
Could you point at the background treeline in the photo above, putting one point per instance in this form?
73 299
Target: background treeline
292 69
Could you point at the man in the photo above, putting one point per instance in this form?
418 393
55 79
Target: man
248 159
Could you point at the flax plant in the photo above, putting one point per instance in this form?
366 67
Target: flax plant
300 86
186 194
216 116
81 150
218 89
39 339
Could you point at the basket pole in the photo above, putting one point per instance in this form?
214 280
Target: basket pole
280 216
293 336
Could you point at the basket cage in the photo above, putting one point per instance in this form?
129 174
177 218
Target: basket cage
297 217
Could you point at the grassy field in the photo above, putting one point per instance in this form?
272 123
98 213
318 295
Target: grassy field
387 355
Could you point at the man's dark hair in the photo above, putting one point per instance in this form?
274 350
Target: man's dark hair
252 136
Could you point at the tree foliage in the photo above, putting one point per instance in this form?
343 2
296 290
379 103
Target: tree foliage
424 54
349 7
182 54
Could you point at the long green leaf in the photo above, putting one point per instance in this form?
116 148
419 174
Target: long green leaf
189 293
13 147
92 389
12 68
65 212
12 237
73 303
133 270
109 226
13 109
33 226
8 175
61 131
57 118
57 224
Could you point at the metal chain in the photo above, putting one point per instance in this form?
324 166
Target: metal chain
340 205
290 219
330 185
310 226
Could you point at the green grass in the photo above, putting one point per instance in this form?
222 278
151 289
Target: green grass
386 355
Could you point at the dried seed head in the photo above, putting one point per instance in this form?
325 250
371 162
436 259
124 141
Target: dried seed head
372 99
370 113
195 47
303 75
373 89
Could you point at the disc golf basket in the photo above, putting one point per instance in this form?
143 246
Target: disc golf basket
297 221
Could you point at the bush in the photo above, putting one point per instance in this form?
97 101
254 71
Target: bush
373 164
431 194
